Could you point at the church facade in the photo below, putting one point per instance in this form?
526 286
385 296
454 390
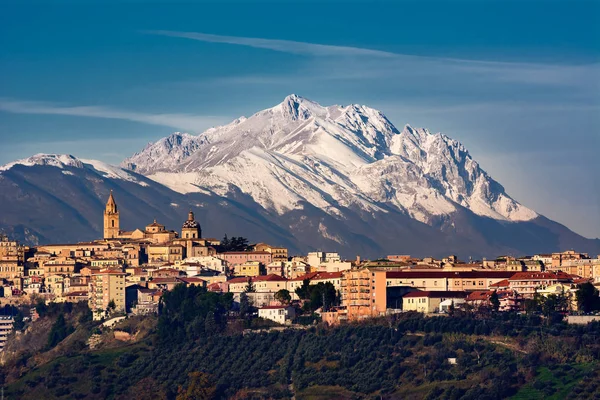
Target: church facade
162 245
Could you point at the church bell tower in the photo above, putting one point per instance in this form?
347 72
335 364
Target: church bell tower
111 219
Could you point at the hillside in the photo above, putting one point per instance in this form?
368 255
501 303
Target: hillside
408 357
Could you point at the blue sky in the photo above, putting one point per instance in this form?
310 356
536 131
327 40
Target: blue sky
517 82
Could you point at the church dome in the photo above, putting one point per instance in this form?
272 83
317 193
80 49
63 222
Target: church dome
191 222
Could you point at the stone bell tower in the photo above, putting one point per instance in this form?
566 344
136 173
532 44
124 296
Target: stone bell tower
111 219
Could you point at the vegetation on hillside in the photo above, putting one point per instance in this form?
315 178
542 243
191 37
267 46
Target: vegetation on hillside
193 353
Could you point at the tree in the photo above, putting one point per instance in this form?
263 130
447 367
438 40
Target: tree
283 296
111 307
235 243
59 331
322 295
250 287
495 301
244 305
201 387
587 297
225 244
41 308
19 324
303 291
210 324
239 244
553 306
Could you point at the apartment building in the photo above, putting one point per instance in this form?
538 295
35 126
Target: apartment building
106 286
6 327
428 280
363 293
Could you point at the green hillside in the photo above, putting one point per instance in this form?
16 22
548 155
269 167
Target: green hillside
194 351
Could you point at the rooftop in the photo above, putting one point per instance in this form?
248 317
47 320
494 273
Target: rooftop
437 294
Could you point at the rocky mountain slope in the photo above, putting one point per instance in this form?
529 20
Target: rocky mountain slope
331 157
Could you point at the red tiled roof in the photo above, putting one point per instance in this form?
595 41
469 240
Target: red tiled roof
540 275
502 283
239 280
214 286
448 274
479 295
328 275
437 294
269 278
108 271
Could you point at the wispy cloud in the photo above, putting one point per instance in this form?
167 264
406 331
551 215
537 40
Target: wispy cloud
369 64
285 46
188 122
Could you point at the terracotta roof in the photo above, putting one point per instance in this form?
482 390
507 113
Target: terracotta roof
214 287
328 275
269 278
582 280
239 280
108 271
437 294
155 224
480 295
540 275
448 274
502 283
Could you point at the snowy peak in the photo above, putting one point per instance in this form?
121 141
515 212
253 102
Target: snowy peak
53 160
165 154
331 157
296 108
67 161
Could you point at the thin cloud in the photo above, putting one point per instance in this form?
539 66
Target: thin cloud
285 46
370 64
190 122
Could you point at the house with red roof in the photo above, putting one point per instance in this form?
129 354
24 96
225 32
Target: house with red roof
527 283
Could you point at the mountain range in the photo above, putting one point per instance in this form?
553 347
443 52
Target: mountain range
300 175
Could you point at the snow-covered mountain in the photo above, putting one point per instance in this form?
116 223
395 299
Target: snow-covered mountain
299 175
334 157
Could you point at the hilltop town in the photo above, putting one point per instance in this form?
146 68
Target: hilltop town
127 272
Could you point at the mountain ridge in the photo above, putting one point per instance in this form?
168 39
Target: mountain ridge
299 175
351 146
